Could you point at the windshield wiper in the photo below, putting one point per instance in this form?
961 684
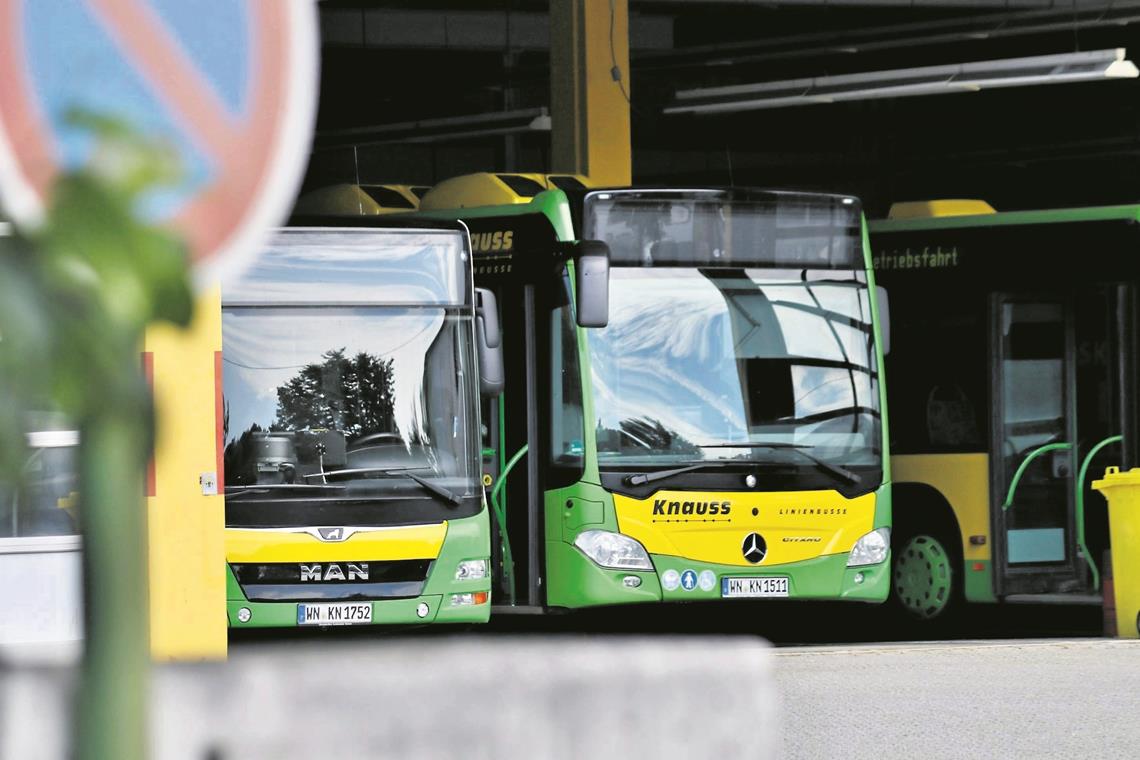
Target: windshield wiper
435 488
842 473
236 492
426 484
643 478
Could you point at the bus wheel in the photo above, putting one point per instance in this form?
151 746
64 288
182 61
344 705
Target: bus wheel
922 579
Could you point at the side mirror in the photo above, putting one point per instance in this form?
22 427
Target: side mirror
884 318
489 338
592 282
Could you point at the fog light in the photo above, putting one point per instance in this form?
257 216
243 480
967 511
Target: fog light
631 581
858 578
670 580
422 610
468 599
244 615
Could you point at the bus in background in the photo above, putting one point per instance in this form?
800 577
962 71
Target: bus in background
351 414
1006 397
715 430
501 189
40 546
347 199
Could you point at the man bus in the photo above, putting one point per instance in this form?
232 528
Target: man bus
351 416
716 431
1010 375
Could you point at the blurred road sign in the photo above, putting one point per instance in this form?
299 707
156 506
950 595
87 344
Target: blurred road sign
231 84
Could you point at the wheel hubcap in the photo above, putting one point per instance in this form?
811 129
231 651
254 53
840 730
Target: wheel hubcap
922 576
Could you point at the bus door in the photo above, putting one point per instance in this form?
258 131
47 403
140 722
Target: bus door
509 252
1053 407
507 439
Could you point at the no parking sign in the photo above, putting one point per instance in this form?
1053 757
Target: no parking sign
230 83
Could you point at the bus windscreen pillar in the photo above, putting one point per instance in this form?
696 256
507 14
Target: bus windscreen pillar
590 89
185 511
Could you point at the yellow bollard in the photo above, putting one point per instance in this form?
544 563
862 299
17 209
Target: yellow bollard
1122 491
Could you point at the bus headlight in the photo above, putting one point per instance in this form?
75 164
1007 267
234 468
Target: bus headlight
871 549
471 570
613 550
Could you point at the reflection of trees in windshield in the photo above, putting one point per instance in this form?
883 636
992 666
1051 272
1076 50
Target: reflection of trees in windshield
320 410
351 395
647 434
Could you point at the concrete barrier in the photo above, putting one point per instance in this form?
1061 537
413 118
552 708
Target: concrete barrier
471 698
35 709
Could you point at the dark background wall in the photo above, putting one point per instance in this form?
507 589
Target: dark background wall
1077 144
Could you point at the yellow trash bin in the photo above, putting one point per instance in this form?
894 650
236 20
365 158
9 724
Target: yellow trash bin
1122 490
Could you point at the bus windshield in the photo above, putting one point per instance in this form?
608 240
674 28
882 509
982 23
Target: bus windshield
701 364
343 402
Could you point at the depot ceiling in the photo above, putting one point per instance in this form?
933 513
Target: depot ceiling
1063 68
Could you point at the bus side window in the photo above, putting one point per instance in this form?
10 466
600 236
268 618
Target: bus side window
951 419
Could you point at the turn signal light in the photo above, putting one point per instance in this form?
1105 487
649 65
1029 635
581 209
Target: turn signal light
468 599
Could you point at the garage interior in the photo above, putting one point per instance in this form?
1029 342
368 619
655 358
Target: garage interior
418 92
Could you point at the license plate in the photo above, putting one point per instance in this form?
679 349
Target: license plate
753 587
355 613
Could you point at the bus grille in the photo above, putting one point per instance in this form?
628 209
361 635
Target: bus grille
322 581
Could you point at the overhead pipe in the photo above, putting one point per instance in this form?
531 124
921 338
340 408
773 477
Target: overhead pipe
1088 15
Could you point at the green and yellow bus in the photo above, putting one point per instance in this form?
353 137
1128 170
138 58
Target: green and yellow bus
351 415
1010 384
716 430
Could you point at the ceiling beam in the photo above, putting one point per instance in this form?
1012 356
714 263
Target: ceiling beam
467 30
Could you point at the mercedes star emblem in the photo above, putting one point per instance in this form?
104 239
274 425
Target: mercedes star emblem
754 548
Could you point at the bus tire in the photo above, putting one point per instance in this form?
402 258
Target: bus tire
926 576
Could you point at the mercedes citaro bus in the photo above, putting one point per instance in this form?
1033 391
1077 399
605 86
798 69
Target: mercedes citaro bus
712 425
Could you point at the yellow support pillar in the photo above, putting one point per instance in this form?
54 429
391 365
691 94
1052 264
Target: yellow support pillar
185 511
589 89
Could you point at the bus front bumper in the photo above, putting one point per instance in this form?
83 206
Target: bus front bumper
580 582
429 608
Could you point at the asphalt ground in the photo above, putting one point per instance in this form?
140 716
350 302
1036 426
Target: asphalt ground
854 681
1060 698
845 681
